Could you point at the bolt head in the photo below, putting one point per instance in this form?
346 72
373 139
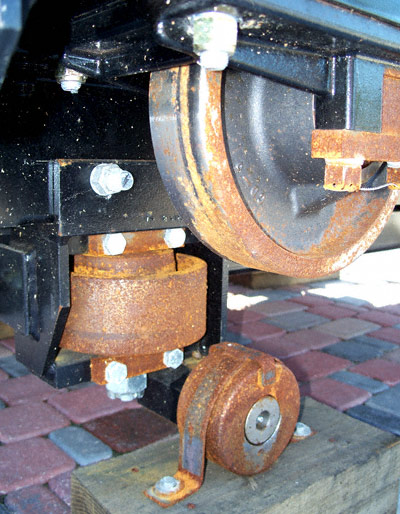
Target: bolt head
116 372
167 485
174 237
114 244
107 179
173 358
71 80
302 430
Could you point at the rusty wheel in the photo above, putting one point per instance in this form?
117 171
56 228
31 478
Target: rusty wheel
234 152
254 407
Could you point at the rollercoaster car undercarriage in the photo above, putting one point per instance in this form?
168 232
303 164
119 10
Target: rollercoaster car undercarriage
146 146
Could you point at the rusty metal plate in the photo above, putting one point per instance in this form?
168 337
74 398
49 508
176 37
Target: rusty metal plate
187 109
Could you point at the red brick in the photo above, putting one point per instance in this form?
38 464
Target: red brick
61 486
314 364
336 394
277 347
9 343
31 462
35 500
393 309
3 376
390 334
25 389
382 318
347 328
29 420
129 430
270 309
309 339
258 330
380 369
332 311
243 316
312 300
87 404
393 356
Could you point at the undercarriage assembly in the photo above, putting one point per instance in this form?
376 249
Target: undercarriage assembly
148 148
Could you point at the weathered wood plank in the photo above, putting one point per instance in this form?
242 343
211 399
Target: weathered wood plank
348 466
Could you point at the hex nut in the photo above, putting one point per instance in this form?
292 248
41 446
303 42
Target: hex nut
71 80
167 485
116 372
175 237
214 39
173 358
107 179
129 389
114 244
302 430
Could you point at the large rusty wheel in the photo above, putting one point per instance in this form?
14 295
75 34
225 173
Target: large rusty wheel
234 153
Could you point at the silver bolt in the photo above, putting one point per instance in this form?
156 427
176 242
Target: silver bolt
173 358
175 237
302 430
167 485
71 80
214 39
127 390
394 165
107 179
114 244
263 420
116 372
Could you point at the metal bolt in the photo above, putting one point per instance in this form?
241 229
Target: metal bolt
175 237
107 179
116 372
302 430
128 389
167 485
173 359
71 80
214 39
394 165
114 244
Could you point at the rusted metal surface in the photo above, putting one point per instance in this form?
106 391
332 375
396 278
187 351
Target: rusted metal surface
339 146
192 157
141 302
136 366
212 411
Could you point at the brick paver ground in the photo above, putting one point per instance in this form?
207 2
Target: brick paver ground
344 350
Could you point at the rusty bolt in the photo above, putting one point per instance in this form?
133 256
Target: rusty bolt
71 80
167 485
107 179
173 358
114 244
175 237
116 372
302 430
214 39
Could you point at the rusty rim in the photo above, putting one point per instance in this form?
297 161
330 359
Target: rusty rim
195 166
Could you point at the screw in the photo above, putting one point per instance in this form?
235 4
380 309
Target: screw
175 237
116 372
214 39
173 359
114 244
302 430
71 80
167 485
107 179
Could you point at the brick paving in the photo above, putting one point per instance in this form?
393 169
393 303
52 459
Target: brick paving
343 348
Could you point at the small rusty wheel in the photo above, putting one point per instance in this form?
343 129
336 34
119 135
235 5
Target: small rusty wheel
234 151
254 408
